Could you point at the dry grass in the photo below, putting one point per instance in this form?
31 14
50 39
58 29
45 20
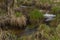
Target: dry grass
21 21
13 21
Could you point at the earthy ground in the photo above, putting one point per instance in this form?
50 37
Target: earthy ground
24 20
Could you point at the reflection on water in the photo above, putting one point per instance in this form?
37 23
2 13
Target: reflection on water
20 32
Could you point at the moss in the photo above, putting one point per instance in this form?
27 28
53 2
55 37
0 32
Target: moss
35 16
18 14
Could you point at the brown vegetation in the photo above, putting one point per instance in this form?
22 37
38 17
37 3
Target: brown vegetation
18 21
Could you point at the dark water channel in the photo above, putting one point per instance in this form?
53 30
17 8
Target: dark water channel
28 31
